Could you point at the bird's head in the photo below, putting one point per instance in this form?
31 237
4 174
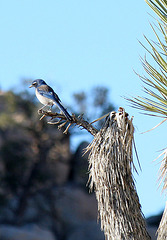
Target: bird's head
37 83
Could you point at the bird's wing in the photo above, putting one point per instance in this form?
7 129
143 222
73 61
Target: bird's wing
48 92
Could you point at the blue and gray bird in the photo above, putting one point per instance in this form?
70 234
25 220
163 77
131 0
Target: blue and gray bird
48 97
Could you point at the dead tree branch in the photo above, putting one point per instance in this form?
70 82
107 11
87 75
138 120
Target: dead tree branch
61 121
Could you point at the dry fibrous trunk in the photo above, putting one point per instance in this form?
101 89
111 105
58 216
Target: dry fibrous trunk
110 166
162 230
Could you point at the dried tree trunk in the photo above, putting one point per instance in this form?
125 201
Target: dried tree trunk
162 230
110 165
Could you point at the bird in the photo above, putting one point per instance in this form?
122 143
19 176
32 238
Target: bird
48 97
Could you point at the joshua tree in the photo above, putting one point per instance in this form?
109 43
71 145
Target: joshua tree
110 174
111 159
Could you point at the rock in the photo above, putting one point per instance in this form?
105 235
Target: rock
74 206
152 232
154 220
87 231
28 232
61 172
153 224
79 172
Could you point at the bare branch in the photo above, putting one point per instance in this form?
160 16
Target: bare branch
62 121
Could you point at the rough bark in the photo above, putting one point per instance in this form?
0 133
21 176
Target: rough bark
110 166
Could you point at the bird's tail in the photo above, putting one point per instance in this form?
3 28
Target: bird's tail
64 111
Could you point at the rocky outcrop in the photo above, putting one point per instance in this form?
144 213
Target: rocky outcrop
29 232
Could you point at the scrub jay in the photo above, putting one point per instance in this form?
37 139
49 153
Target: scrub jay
48 97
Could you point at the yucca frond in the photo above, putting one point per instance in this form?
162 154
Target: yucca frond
159 7
156 80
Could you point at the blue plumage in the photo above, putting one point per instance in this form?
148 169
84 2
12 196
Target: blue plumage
48 97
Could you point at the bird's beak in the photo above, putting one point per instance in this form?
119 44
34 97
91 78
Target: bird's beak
30 86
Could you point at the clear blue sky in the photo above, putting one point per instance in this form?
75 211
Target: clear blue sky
75 45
